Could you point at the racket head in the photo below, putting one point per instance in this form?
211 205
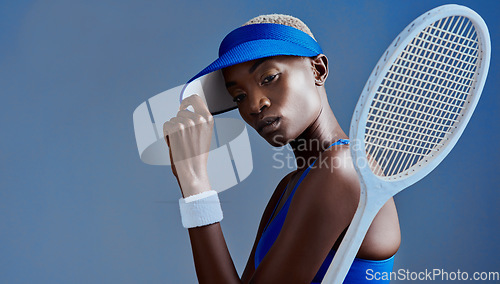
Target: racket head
424 74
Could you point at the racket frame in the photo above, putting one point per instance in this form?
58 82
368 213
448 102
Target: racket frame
382 188
357 133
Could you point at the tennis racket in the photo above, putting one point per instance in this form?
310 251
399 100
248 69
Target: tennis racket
412 110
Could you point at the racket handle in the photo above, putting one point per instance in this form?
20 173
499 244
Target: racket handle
353 239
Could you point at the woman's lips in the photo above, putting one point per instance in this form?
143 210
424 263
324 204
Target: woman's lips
268 124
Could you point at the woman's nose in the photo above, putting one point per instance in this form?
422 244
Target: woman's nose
258 103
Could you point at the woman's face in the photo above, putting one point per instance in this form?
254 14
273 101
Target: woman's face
275 95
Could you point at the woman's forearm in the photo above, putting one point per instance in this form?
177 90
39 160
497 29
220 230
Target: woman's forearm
188 136
212 260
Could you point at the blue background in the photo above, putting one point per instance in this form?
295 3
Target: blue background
77 205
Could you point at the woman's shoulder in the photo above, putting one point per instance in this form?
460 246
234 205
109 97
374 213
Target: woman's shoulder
335 168
330 188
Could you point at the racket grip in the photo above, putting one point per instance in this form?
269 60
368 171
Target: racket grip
353 239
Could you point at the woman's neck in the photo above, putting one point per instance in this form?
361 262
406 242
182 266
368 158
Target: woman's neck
322 133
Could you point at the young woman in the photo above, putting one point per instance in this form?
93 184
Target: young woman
275 72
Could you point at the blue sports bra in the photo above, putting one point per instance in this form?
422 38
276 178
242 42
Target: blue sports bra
360 268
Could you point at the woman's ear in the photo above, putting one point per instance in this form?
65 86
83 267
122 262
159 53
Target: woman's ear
320 68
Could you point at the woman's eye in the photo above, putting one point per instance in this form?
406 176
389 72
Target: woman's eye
269 78
238 98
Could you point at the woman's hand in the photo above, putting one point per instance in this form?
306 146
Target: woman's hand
188 136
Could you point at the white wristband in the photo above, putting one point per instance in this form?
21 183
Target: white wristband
200 209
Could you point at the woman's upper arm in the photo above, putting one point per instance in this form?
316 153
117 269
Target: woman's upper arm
322 207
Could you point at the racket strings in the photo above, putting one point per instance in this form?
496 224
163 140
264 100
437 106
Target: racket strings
382 120
394 104
391 157
464 46
407 160
463 80
422 95
412 159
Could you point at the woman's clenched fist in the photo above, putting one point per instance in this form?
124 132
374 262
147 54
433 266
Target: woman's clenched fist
188 136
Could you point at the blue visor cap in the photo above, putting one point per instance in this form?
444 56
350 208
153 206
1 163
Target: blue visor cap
245 44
